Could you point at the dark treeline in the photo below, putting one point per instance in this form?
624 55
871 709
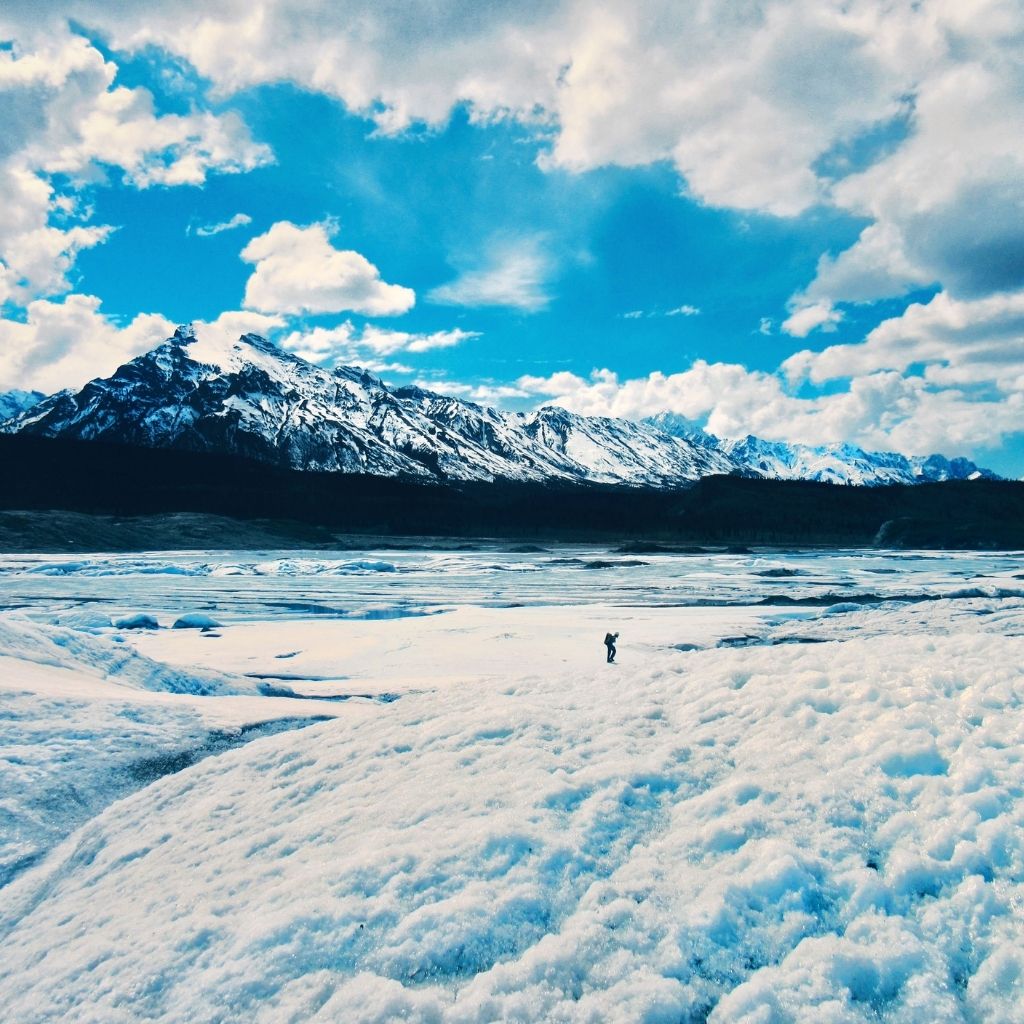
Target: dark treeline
93 477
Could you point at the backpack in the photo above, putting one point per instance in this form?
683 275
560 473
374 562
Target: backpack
608 639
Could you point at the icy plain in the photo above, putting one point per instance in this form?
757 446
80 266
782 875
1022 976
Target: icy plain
404 785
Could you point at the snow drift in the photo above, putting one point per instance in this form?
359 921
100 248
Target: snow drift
821 832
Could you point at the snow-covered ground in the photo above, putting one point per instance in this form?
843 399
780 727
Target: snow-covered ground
797 795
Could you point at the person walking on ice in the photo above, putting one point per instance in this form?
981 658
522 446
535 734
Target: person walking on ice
609 642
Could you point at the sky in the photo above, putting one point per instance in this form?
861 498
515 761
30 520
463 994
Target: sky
802 220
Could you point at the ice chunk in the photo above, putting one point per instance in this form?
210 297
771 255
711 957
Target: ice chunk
138 620
195 620
88 619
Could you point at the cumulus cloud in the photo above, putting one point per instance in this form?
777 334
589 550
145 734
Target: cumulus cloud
515 276
298 270
37 262
754 105
957 342
65 119
744 100
64 344
748 101
238 221
71 119
947 204
806 318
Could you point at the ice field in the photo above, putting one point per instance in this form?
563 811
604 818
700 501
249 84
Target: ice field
405 785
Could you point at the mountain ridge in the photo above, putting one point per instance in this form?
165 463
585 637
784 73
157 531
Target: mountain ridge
250 398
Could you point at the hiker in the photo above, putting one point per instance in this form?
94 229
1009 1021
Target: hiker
609 642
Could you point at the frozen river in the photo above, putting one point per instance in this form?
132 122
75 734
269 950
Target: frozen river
404 784
264 585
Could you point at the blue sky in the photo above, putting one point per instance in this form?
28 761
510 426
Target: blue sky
770 227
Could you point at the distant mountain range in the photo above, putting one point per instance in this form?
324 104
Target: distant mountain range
253 399
14 402
833 463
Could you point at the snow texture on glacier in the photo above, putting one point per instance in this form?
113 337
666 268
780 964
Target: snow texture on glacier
824 825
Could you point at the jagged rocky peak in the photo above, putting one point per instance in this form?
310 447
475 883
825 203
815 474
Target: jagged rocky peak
184 333
555 414
676 425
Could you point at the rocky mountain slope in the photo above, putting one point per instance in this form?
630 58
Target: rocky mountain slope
253 399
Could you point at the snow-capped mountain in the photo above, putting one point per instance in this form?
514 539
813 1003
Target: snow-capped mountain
847 463
14 402
254 399
833 463
251 398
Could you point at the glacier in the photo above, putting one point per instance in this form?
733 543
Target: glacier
797 796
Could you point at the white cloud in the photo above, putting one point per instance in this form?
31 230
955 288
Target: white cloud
957 343
641 314
515 276
900 113
298 270
64 344
805 319
759 106
484 393
38 261
875 267
385 342
322 345
347 344
229 326
64 116
239 220
880 411
72 119
947 204
745 99
395 63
